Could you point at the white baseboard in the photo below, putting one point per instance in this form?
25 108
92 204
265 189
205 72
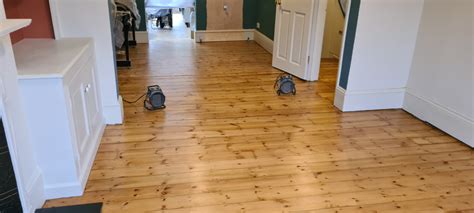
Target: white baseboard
66 190
223 35
264 41
348 101
442 117
339 98
114 113
140 36
34 195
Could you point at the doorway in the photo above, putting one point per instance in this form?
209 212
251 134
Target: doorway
333 40
170 20
309 39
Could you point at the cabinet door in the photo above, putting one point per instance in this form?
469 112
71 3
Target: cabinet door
80 116
92 102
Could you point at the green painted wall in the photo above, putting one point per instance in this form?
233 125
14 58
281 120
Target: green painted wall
266 13
250 14
349 43
201 14
141 9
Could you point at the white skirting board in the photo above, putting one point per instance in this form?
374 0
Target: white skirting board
348 101
264 41
224 35
114 114
442 117
140 36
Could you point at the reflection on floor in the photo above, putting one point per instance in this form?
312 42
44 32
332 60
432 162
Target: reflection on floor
227 143
178 32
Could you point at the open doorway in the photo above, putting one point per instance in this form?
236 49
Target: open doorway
170 20
308 41
332 46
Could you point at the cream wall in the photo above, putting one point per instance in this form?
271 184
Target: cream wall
333 30
220 19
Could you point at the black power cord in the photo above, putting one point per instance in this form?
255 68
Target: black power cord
132 102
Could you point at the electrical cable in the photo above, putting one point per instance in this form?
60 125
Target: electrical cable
132 102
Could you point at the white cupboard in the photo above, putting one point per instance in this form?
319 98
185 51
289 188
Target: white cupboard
60 95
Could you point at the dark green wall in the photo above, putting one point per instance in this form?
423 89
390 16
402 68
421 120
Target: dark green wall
141 9
349 43
266 12
201 14
250 14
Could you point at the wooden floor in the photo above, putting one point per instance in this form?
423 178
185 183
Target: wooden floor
227 143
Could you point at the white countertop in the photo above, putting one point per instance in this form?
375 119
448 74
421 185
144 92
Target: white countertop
48 58
8 26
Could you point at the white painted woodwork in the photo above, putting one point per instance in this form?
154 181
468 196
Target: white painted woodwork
298 37
8 26
224 35
92 19
57 79
263 41
27 173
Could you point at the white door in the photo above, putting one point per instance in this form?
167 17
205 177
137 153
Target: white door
298 37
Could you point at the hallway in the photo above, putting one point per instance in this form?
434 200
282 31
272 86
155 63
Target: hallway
227 143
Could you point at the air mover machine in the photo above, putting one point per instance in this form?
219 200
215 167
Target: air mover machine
155 98
284 85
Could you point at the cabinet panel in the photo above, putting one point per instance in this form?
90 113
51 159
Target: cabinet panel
80 117
92 102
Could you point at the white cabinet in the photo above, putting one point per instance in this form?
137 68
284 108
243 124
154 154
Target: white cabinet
59 90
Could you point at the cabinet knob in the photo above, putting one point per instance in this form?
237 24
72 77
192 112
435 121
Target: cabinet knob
87 88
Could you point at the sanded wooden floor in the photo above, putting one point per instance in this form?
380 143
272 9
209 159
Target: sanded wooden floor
227 143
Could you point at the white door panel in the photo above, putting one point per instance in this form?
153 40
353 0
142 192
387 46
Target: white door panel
293 34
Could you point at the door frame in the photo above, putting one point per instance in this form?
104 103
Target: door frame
318 27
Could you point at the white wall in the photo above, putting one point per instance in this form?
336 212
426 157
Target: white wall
440 88
70 20
383 51
28 175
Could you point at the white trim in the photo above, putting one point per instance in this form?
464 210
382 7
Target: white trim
114 114
446 119
140 36
264 41
35 191
64 190
339 97
224 35
348 101
8 26
316 40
